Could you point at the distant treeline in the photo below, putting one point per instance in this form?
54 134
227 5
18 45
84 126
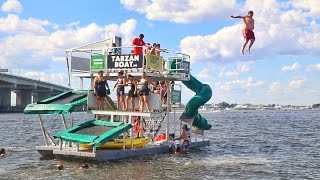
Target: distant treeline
316 105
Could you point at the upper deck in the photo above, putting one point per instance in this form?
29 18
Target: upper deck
86 61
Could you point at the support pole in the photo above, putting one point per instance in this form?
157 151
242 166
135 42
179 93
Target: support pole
123 137
124 141
131 130
203 137
174 121
43 130
81 83
168 109
64 121
49 137
72 119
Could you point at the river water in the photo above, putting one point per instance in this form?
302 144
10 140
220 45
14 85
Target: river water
244 145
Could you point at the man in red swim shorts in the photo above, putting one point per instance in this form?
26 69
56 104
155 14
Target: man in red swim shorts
248 26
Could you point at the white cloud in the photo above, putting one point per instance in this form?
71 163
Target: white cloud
278 30
187 11
137 5
293 67
44 42
13 24
241 68
274 87
230 74
240 84
245 67
55 78
205 73
297 83
12 6
313 67
311 6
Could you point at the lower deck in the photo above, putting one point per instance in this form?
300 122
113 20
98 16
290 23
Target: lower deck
102 155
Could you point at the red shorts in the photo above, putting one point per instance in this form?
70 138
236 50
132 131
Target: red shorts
248 34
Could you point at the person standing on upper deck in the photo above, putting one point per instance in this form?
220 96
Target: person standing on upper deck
248 26
120 84
138 43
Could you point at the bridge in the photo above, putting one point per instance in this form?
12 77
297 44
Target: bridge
26 90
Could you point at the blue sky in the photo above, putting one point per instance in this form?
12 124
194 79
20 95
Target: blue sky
283 68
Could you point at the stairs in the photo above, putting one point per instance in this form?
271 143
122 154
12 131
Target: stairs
153 126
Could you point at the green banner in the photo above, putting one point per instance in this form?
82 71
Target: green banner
97 62
154 62
175 96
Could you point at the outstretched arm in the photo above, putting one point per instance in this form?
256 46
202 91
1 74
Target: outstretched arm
237 16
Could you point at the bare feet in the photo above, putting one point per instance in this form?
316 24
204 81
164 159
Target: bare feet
242 51
248 50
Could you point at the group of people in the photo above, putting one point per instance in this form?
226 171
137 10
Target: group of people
101 89
138 44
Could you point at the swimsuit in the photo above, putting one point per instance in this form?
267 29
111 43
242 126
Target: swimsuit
185 144
144 91
120 88
248 34
131 92
101 88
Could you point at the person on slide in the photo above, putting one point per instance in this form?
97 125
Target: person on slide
248 26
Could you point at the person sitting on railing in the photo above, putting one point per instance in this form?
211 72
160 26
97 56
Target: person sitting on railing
148 48
114 51
155 50
121 82
144 92
132 94
158 50
137 43
99 85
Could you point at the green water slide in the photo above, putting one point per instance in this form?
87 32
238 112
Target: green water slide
62 103
203 95
93 133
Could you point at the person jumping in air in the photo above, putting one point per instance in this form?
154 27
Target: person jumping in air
248 26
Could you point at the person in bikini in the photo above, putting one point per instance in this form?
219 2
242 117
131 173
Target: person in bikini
132 94
248 34
144 92
121 82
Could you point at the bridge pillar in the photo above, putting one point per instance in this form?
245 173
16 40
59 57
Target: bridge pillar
23 97
35 97
5 97
39 96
